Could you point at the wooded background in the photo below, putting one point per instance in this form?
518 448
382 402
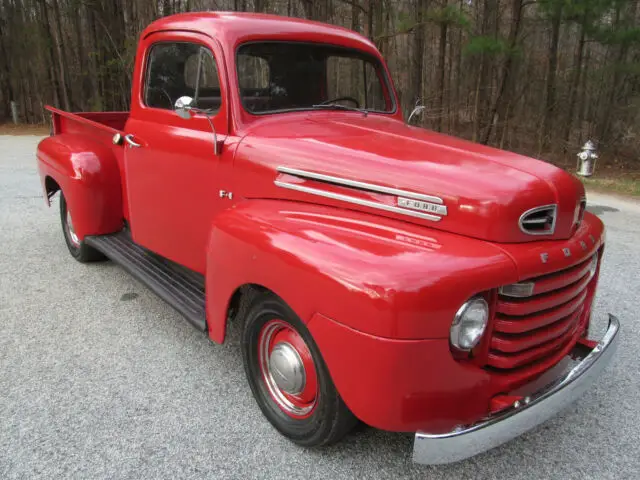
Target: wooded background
534 76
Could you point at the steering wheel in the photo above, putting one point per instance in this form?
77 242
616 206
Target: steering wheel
341 99
164 94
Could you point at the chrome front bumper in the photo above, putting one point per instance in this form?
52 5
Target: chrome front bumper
466 442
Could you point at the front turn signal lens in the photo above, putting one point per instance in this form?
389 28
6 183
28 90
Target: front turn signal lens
517 290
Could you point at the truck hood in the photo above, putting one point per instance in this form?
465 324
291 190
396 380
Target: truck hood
382 166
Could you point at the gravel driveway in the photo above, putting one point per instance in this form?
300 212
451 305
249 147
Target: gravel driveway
101 379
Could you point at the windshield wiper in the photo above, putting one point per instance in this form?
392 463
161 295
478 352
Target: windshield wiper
337 106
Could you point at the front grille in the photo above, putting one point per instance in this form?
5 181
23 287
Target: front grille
528 331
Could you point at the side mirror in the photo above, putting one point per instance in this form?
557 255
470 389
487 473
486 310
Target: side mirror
418 110
183 107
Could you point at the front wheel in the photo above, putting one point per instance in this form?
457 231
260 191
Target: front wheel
289 378
78 248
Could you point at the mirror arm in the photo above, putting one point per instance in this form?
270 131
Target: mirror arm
215 135
185 110
416 111
207 114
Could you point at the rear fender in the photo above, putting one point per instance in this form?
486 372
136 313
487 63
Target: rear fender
376 275
87 173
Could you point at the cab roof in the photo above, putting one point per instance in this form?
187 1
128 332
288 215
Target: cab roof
234 28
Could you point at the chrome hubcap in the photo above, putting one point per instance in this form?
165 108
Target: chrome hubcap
72 233
286 368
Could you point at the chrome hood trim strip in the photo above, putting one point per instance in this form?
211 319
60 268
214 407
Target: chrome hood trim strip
357 201
361 185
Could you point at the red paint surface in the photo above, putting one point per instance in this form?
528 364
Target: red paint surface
377 290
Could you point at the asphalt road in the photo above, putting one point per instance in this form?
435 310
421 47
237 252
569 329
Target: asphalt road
100 379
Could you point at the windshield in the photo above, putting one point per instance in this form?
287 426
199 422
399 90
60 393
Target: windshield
279 77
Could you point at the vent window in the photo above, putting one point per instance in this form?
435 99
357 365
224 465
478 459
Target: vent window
539 220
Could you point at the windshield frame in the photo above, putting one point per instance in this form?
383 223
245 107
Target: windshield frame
377 62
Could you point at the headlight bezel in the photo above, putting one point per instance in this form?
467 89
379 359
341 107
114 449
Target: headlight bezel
456 330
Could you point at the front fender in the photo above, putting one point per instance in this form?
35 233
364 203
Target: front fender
375 275
87 172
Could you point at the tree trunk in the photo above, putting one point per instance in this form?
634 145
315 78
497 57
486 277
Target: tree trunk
61 56
83 86
550 103
50 49
417 65
455 101
482 84
573 88
502 100
166 8
442 56
5 75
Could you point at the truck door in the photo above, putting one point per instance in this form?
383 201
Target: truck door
173 176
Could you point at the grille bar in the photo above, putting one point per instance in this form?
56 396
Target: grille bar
519 342
543 302
537 329
506 324
510 361
556 281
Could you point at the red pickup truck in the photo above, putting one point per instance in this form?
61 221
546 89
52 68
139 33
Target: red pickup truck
381 272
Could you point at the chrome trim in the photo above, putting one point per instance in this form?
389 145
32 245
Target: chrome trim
357 201
593 266
419 205
465 442
537 209
454 330
274 389
72 233
287 368
129 140
362 185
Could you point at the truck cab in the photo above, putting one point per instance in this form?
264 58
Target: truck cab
381 272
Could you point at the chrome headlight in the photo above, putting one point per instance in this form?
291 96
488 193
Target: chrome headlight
469 323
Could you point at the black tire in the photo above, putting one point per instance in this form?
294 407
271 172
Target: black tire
330 419
78 249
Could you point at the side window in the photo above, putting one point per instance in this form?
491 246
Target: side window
178 69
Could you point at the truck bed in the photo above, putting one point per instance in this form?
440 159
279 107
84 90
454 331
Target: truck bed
99 126
79 122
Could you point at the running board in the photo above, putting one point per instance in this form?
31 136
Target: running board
180 288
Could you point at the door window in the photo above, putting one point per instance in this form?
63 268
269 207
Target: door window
179 69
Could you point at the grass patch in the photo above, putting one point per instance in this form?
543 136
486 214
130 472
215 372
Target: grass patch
622 185
11 129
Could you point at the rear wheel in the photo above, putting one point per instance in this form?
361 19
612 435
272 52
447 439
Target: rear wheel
78 248
288 377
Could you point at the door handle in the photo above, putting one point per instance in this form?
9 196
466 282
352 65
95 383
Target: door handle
130 141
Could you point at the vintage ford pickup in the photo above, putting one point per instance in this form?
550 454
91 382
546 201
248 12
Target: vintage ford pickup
381 272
